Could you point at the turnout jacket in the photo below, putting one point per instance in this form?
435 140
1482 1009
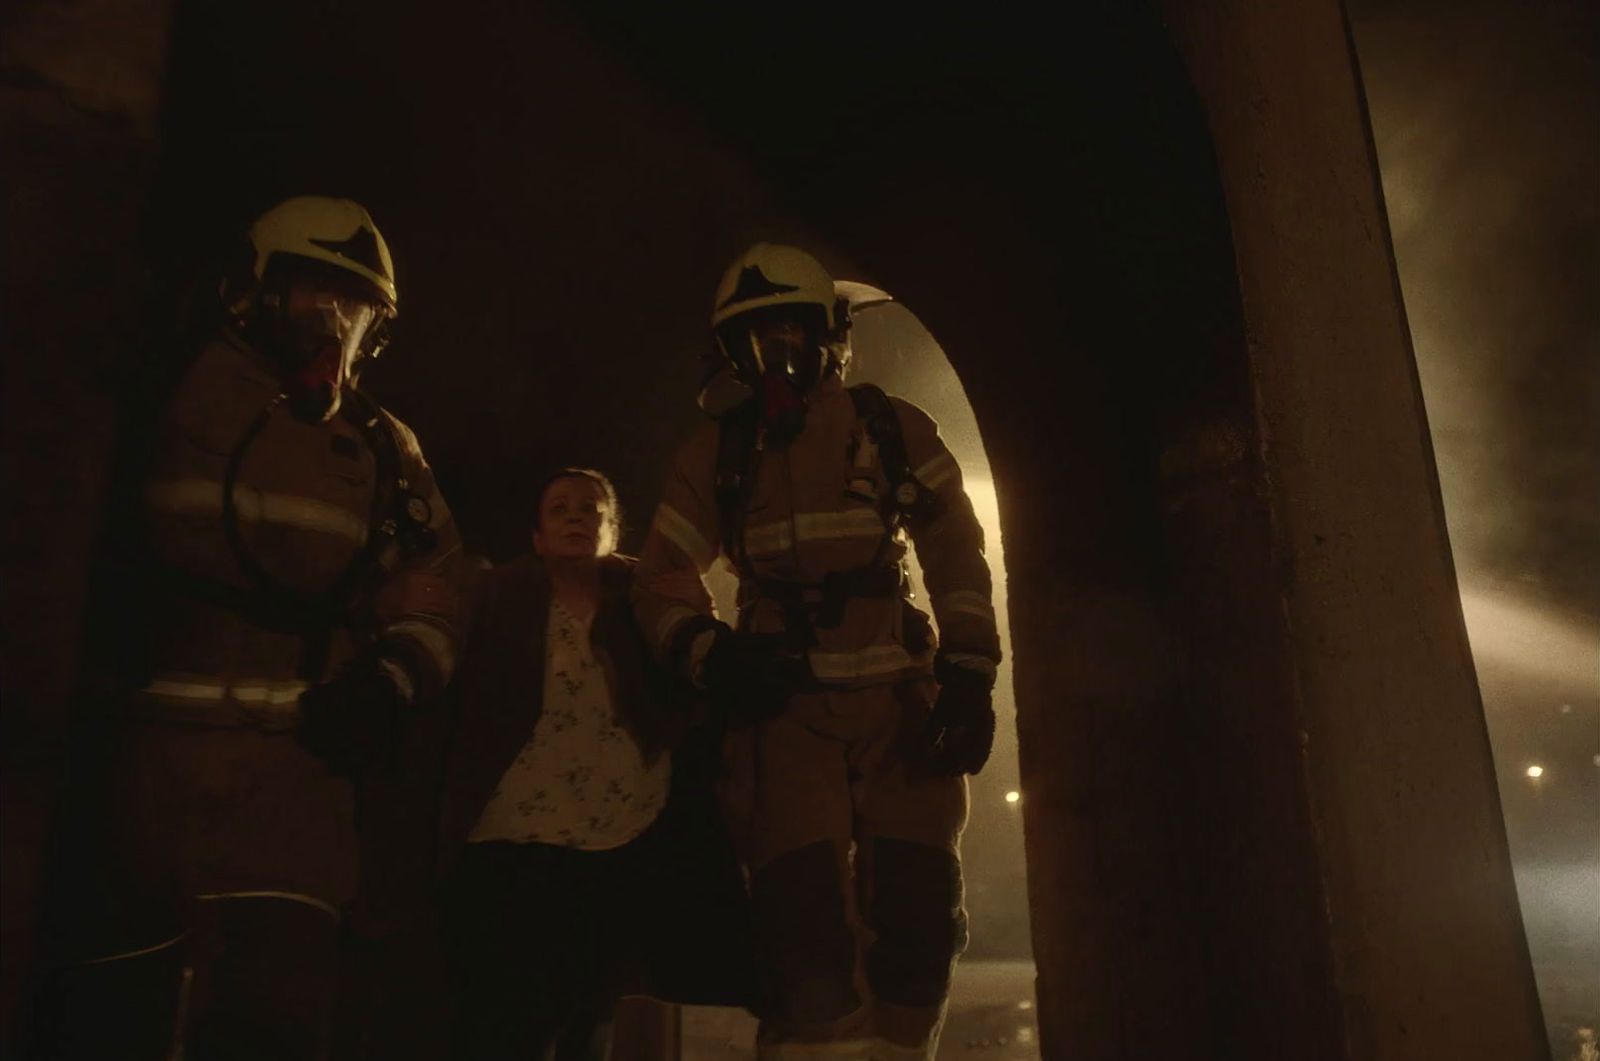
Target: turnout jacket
246 602
822 506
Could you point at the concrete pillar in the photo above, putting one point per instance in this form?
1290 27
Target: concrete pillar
1419 912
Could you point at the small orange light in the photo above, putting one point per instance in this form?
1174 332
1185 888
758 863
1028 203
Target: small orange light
1013 797
1535 772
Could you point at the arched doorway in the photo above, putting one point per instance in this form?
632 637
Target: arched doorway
991 1007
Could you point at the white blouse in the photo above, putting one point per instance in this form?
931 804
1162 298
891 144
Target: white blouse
581 780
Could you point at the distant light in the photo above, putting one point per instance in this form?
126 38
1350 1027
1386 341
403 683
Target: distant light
1597 760
1535 771
1566 709
1026 1003
1024 1035
1013 797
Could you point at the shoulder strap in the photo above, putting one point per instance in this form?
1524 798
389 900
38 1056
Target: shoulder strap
916 504
399 513
735 477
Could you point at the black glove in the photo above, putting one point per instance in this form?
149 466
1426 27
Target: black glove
960 731
347 720
751 676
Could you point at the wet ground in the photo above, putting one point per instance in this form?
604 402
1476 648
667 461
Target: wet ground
991 1013
991 1018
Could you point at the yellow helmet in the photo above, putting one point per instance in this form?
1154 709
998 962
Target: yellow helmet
338 232
770 274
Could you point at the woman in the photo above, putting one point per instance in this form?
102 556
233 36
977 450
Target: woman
557 778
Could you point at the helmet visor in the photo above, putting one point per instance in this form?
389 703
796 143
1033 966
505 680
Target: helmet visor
775 339
323 331
322 321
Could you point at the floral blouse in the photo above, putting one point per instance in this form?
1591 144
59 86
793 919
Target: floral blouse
580 781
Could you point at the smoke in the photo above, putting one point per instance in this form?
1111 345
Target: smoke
1485 117
1487 122
895 351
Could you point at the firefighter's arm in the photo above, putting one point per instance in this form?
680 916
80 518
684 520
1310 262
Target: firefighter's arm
419 608
949 547
670 600
362 709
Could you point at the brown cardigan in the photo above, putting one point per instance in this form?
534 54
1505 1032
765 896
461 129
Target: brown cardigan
497 696
420 805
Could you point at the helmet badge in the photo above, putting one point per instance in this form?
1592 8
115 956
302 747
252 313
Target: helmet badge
753 283
361 248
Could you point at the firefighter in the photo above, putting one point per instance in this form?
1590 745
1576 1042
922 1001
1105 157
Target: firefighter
262 656
850 725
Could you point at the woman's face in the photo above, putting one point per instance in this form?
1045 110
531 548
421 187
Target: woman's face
574 520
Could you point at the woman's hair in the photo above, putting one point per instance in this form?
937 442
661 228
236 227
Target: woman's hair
613 520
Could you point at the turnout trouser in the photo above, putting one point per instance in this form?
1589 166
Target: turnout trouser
200 893
855 877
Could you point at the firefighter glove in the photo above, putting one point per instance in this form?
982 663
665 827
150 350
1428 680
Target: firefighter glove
349 719
960 731
751 676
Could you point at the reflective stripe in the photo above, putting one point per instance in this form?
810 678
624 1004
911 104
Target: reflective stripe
197 497
293 897
676 528
767 539
964 602
436 642
127 954
258 692
403 683
842 1050
668 624
972 661
937 470
874 662
851 523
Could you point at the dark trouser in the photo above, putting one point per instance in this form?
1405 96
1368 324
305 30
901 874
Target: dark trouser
197 897
535 933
